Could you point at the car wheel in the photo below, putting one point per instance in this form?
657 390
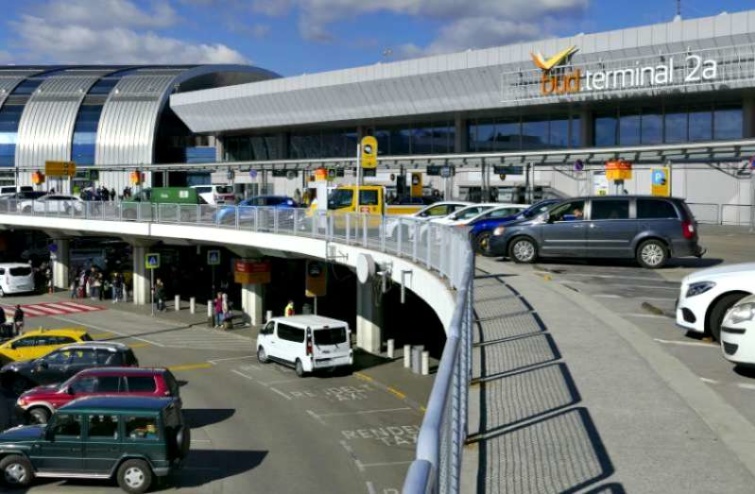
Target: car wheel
299 368
523 250
652 254
26 210
17 471
19 385
482 243
183 441
134 476
39 415
718 311
262 356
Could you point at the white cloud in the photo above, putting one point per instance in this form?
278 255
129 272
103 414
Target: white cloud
44 41
107 13
470 24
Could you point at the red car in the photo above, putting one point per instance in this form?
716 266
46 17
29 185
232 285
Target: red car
37 404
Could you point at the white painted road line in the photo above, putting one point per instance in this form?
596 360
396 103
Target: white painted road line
646 316
687 343
282 381
607 295
108 330
280 393
370 488
360 412
316 417
242 374
709 381
216 360
386 464
747 386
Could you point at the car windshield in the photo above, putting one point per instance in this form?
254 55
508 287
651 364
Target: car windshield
537 209
224 189
340 198
330 336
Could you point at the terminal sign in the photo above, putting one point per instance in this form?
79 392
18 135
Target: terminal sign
60 168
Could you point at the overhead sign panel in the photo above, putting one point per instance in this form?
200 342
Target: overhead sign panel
60 168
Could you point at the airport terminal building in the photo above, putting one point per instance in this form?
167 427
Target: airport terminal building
539 117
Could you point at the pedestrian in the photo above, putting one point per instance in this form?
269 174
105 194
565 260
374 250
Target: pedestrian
117 287
297 196
218 309
3 325
226 306
74 287
18 320
160 295
289 310
113 195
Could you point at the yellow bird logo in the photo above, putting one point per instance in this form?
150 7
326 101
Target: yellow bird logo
556 59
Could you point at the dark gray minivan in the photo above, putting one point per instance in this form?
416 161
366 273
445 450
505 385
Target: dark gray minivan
649 229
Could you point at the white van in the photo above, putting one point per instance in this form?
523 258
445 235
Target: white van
307 343
16 277
216 194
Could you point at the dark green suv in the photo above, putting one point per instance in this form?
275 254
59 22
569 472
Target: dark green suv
133 439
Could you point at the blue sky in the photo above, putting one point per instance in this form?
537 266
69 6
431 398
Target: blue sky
305 36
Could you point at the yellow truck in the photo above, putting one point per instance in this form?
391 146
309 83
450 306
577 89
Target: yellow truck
372 200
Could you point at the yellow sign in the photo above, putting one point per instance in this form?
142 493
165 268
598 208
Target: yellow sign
316 283
60 168
618 170
369 152
416 184
556 59
660 181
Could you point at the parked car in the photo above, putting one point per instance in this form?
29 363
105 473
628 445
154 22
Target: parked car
216 194
16 277
466 213
51 203
247 207
482 228
649 229
306 342
706 295
464 217
38 404
66 361
132 439
37 343
434 211
738 333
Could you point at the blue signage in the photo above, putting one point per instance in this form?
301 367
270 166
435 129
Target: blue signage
659 177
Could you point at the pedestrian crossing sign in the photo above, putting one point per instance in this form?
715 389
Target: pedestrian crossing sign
152 261
213 257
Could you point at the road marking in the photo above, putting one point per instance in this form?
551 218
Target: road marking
646 316
363 377
606 295
747 386
396 392
139 345
316 417
709 381
686 343
360 412
185 367
386 464
370 488
100 328
242 374
216 360
280 393
282 381
351 453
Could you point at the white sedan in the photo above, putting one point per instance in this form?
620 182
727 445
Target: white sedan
433 211
481 211
51 203
705 296
738 333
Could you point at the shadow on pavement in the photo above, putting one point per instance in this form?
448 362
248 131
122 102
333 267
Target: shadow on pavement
533 436
364 360
203 417
204 466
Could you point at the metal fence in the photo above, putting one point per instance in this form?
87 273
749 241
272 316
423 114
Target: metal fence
443 249
722 214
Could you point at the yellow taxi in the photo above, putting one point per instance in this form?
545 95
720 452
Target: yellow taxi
37 343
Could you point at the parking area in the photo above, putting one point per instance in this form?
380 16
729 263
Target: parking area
647 297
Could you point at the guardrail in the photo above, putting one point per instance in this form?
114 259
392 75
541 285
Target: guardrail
443 249
722 214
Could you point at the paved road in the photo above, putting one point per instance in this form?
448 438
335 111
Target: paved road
259 428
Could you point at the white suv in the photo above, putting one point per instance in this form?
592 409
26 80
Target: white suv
706 295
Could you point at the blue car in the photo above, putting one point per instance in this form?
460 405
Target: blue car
482 230
246 208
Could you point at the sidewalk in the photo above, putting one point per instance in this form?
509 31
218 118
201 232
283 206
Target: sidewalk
569 397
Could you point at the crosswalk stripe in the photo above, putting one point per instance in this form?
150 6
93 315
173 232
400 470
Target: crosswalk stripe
79 306
43 309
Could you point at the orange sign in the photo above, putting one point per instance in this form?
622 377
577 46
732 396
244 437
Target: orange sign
557 83
252 272
316 283
321 174
618 170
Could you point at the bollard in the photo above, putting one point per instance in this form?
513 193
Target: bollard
417 358
268 315
193 305
425 363
390 348
210 322
177 302
407 356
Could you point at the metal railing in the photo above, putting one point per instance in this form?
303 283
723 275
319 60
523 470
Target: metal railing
443 249
722 214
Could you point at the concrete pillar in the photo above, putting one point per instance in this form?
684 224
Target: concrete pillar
461 136
586 128
219 149
748 117
369 319
141 294
61 264
252 303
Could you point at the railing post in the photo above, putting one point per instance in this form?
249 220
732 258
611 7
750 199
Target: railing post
415 245
399 250
275 219
348 228
428 261
364 230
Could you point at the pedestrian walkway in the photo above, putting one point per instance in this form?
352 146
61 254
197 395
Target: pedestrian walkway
52 309
569 397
